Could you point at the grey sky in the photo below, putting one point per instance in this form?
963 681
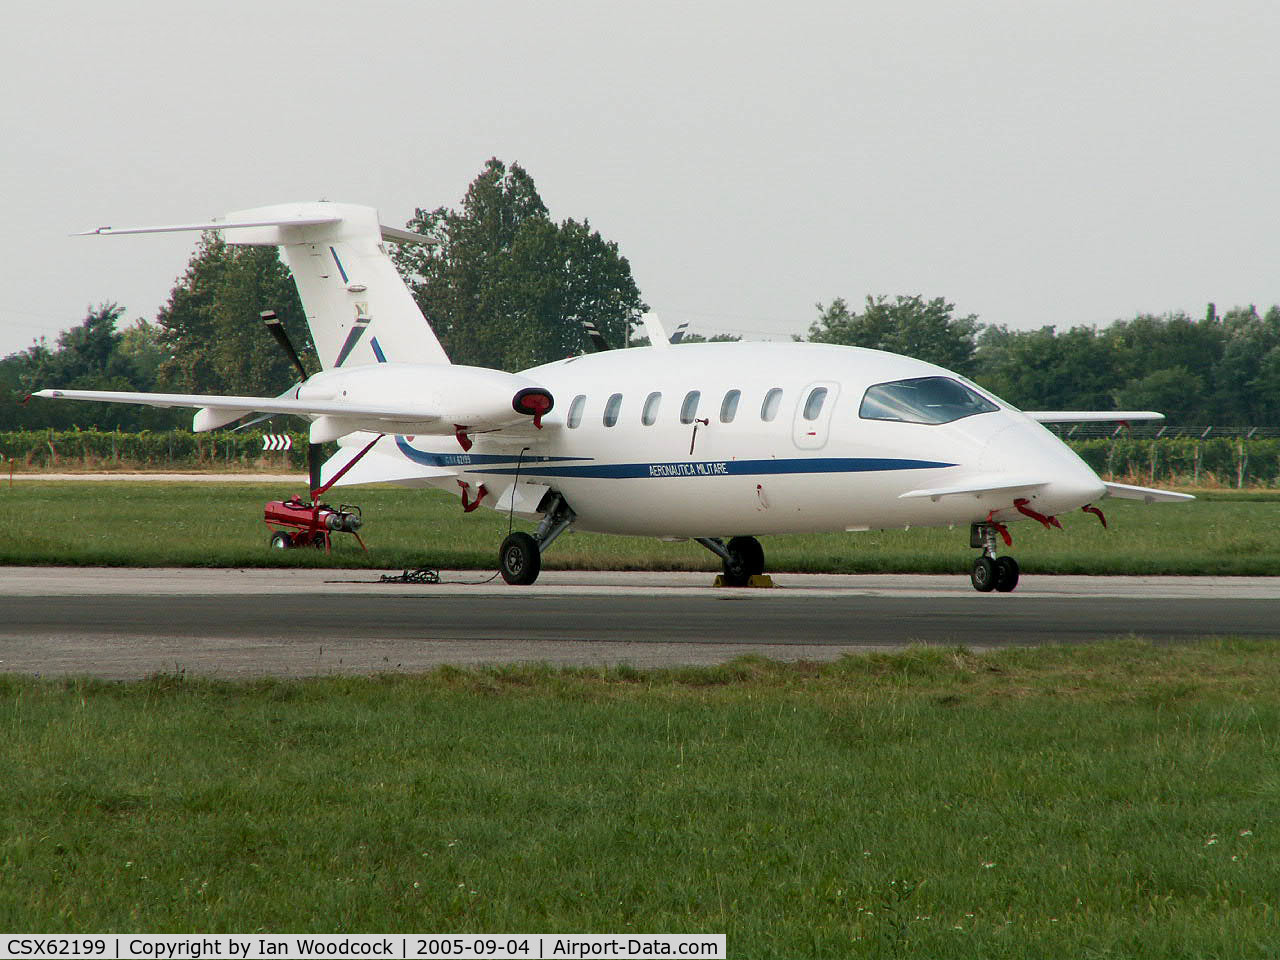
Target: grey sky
1034 162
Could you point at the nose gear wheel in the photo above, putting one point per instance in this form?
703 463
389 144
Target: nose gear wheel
989 572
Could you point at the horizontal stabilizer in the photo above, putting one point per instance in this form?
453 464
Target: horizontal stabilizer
1122 491
298 221
1091 416
394 234
976 488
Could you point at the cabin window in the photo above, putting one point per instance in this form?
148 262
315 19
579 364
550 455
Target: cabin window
575 410
649 413
689 409
813 406
729 406
611 410
772 404
923 400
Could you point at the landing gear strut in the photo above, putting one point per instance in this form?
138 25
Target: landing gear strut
989 571
520 556
743 558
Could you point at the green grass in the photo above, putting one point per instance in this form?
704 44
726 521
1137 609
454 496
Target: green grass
1112 800
194 524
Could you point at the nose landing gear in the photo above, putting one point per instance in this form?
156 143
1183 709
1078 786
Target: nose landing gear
989 571
743 558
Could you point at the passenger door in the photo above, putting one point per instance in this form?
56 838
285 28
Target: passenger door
816 404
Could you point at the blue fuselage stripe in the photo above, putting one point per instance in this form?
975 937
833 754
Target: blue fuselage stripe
722 468
509 465
468 459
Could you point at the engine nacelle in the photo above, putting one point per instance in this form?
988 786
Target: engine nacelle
447 399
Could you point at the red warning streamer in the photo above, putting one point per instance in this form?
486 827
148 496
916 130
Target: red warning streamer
469 505
1026 511
1000 529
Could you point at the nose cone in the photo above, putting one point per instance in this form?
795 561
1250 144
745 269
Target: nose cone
1025 448
1074 489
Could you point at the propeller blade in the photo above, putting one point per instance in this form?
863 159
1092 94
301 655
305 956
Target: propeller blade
292 392
598 342
277 330
252 423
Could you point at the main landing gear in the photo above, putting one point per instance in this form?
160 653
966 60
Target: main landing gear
743 558
520 556
989 571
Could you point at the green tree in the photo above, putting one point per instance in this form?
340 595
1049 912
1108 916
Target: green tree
1174 391
925 329
1247 377
505 286
210 329
90 356
1046 370
1152 355
1147 344
140 346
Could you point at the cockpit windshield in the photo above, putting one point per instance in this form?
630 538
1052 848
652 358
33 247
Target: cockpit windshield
923 400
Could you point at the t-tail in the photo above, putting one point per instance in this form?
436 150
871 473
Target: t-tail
357 306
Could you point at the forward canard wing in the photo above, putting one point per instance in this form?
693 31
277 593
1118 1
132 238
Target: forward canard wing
978 488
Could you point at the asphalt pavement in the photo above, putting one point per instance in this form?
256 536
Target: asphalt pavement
126 623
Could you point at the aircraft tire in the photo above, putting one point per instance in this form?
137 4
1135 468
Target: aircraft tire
519 559
749 554
281 540
1006 574
983 575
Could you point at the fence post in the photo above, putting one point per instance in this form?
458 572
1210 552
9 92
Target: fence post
1242 463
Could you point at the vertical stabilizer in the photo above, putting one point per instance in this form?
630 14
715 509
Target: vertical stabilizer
357 306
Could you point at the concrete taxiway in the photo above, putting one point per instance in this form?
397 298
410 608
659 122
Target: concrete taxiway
125 623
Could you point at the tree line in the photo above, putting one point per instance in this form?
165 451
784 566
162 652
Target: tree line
504 285
1218 369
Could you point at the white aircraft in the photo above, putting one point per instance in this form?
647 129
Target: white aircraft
714 442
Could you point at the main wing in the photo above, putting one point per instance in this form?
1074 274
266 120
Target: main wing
429 399
382 418
1091 416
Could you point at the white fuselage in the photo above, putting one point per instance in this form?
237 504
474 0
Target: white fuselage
785 438
798 470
